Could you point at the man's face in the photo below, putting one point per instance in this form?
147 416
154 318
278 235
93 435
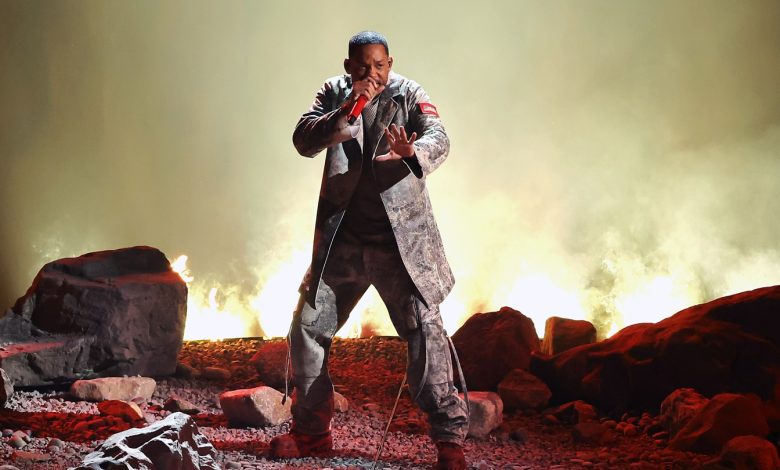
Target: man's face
369 61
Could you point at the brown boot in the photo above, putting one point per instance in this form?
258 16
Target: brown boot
294 445
451 456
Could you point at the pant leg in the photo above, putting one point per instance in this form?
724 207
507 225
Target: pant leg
429 365
312 331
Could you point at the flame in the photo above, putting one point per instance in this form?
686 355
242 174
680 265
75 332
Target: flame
277 297
206 318
639 295
179 265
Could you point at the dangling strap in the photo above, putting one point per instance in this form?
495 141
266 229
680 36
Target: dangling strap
387 428
288 361
424 377
460 374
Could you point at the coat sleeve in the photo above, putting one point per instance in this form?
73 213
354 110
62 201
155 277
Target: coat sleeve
324 125
432 145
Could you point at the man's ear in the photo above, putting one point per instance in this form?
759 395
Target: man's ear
347 66
390 62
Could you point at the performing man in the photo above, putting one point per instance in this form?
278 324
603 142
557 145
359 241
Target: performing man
374 226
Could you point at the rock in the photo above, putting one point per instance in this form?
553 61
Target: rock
630 430
269 361
215 373
679 407
523 390
341 404
519 435
562 334
749 453
725 416
186 371
506 339
57 359
126 410
728 344
485 413
6 388
31 456
593 433
55 443
118 312
113 388
259 406
17 442
8 467
178 404
575 412
174 442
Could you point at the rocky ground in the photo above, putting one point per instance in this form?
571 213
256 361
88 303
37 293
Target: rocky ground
60 431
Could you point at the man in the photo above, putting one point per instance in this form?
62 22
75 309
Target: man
374 226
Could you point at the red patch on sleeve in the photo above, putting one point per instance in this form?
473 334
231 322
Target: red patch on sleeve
428 108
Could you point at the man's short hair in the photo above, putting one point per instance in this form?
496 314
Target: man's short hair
364 38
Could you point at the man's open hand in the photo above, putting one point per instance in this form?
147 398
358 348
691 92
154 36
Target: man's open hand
400 145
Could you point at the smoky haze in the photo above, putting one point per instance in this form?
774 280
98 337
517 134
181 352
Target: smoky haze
600 150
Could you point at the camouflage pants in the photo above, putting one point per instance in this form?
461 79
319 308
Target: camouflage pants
351 268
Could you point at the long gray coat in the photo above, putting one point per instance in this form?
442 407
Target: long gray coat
401 182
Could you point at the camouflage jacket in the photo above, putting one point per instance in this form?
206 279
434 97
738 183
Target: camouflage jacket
401 182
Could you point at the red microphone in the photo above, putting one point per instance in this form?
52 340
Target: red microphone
357 108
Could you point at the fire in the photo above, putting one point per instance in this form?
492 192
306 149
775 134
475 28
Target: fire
210 315
180 266
219 312
639 295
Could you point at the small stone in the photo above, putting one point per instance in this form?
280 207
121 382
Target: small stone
216 373
31 456
126 410
550 419
340 402
178 404
232 464
17 442
519 434
7 432
661 435
55 443
186 371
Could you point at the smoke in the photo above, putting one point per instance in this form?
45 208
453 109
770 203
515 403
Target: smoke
610 160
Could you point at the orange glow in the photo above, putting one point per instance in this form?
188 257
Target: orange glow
639 295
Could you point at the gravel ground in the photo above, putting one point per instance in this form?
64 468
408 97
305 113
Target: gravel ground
367 372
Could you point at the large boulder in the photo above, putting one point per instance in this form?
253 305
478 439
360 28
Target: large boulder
172 443
729 344
562 334
725 416
491 344
108 313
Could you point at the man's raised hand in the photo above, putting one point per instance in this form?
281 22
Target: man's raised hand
400 145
